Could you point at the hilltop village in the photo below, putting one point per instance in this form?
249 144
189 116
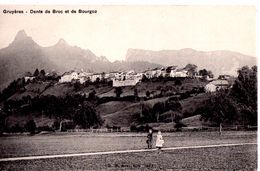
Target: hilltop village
164 98
131 78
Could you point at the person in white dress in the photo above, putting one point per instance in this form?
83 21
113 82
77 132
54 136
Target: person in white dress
159 140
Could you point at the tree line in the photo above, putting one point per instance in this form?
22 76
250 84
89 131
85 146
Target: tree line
77 108
237 105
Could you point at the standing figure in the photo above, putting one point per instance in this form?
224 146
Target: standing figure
149 140
159 140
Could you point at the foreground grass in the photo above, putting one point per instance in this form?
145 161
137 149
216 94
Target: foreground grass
220 158
14 146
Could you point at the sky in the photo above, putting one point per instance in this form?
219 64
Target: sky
114 29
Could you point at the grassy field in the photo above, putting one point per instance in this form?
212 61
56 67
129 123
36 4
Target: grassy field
219 158
13 146
230 158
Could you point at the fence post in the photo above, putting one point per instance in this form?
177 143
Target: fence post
220 129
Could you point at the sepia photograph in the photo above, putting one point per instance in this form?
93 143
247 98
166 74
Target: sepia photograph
128 87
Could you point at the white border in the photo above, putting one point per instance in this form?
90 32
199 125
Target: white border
131 2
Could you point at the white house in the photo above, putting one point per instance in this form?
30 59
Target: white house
170 71
156 72
69 76
84 76
130 75
130 78
179 73
162 72
210 88
26 78
215 85
94 77
148 73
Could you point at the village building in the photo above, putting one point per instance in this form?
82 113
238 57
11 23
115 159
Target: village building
216 85
69 76
131 78
224 77
26 78
95 77
168 72
123 83
84 76
107 75
148 74
179 73
156 72
130 75
111 75
162 72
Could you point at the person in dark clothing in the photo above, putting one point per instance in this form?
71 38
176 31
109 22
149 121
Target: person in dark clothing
149 140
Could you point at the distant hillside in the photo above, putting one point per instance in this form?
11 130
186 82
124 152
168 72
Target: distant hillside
220 62
24 55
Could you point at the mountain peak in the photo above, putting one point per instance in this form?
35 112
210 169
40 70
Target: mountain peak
21 35
62 42
22 39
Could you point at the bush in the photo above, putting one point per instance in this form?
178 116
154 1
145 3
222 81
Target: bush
67 125
31 126
133 128
55 125
178 82
16 128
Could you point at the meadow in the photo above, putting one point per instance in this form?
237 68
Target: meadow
218 158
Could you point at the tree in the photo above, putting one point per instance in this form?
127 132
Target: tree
163 92
219 108
92 95
3 117
86 116
245 86
118 91
244 91
31 126
42 72
191 68
175 107
210 74
204 73
42 75
147 93
77 85
147 114
36 73
177 82
97 80
103 75
173 104
158 108
136 94
144 78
